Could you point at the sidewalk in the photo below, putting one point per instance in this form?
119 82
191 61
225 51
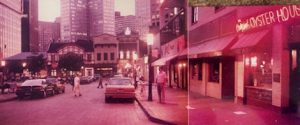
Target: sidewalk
173 111
208 111
7 97
211 111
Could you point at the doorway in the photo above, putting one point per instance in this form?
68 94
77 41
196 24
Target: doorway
228 78
294 94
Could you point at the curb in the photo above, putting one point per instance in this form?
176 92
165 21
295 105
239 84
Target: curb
8 99
152 118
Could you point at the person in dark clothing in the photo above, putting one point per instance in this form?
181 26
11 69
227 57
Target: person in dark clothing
100 82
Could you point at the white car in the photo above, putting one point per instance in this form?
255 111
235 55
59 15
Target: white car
119 87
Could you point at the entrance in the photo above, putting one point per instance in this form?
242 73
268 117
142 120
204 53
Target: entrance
294 99
228 78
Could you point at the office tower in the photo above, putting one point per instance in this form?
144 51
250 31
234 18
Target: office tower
48 32
83 19
74 20
122 22
142 13
30 37
101 17
10 27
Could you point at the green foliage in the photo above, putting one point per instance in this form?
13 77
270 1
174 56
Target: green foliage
70 62
15 66
36 63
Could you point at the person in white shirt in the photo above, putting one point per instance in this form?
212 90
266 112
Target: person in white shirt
161 80
77 85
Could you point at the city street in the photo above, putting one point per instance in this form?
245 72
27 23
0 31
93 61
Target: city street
65 109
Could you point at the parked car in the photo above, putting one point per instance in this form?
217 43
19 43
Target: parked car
97 76
34 87
86 79
119 87
58 86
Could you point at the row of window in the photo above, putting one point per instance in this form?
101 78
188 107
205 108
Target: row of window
105 56
213 73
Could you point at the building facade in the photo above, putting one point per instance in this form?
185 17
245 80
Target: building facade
249 54
48 32
83 19
30 33
142 13
128 50
122 22
106 54
173 43
74 20
82 48
10 28
101 16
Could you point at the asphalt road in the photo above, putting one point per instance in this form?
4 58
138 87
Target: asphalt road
65 109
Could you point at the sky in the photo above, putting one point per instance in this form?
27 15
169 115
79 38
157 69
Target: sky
50 9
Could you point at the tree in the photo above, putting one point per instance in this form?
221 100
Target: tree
36 63
70 62
14 66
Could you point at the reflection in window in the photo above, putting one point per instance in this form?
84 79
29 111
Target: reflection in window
199 66
214 71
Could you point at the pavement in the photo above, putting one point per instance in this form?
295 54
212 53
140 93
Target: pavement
172 112
202 110
8 95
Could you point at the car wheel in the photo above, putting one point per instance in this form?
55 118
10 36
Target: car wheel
44 94
20 97
53 93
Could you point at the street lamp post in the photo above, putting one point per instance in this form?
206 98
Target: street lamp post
135 56
150 43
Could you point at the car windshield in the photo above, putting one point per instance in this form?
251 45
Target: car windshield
35 82
119 82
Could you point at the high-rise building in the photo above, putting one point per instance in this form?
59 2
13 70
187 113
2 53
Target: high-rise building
10 27
101 15
30 37
82 19
142 13
154 12
48 32
74 20
122 22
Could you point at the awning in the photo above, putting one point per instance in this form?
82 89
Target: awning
250 39
162 61
214 47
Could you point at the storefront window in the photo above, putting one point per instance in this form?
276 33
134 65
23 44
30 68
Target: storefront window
200 71
259 72
214 71
194 71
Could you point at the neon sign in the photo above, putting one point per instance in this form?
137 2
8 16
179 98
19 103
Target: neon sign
275 16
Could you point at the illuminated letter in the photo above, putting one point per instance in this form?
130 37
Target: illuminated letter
292 12
272 18
285 13
297 10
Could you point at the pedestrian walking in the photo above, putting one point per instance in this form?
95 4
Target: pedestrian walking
100 82
161 80
77 85
142 84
